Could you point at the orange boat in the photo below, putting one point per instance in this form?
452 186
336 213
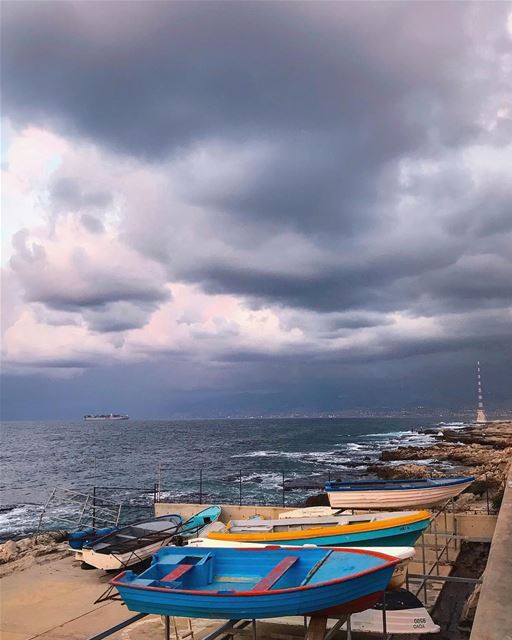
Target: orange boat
393 529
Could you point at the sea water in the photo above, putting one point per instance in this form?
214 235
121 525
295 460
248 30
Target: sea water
207 460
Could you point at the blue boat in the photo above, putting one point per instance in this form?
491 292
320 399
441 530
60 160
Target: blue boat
199 522
236 584
382 494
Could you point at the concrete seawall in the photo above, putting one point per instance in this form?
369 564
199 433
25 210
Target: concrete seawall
493 619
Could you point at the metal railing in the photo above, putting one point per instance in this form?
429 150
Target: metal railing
238 486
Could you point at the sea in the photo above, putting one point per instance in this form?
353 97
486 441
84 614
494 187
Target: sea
248 461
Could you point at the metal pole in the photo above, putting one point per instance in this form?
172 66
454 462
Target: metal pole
94 505
240 497
384 616
254 630
454 520
487 493
200 486
284 495
424 567
118 627
349 628
167 628
434 522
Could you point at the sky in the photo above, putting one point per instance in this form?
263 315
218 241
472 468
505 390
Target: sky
238 208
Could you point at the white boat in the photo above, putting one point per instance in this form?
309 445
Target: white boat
405 554
130 545
405 615
384 494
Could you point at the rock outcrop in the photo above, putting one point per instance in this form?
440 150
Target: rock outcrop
484 451
19 554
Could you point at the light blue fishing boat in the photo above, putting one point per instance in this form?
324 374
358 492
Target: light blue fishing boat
199 522
256 583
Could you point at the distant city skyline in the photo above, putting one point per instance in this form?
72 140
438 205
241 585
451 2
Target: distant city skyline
255 208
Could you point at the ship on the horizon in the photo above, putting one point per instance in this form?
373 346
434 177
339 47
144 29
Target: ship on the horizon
106 416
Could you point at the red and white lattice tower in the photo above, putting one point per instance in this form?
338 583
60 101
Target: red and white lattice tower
480 413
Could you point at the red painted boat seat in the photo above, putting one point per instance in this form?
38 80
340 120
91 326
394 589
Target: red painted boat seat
273 576
176 573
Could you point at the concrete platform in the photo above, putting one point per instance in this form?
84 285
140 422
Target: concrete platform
493 619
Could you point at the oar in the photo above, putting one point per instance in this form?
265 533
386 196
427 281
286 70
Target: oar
315 568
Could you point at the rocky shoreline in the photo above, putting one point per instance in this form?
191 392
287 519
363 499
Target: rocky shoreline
17 555
484 451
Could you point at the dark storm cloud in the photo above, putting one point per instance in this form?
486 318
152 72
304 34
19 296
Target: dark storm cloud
317 161
343 90
148 78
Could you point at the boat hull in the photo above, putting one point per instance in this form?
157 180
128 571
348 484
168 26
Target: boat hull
358 586
256 607
395 498
401 535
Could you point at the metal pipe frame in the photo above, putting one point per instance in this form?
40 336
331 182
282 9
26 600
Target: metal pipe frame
118 627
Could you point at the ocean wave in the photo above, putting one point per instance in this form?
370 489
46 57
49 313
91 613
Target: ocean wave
267 480
453 425
386 434
307 457
259 454
19 520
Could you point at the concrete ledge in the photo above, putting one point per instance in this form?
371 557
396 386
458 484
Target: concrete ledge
229 511
493 618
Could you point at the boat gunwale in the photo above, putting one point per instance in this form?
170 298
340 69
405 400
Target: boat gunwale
391 561
395 485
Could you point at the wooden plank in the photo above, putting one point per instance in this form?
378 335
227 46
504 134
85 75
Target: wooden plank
177 572
316 628
273 576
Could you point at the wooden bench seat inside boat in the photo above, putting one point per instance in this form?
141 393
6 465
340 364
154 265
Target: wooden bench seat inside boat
177 572
274 574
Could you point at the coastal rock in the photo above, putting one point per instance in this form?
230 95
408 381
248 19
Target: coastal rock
464 501
41 545
402 472
24 544
320 500
8 551
48 537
